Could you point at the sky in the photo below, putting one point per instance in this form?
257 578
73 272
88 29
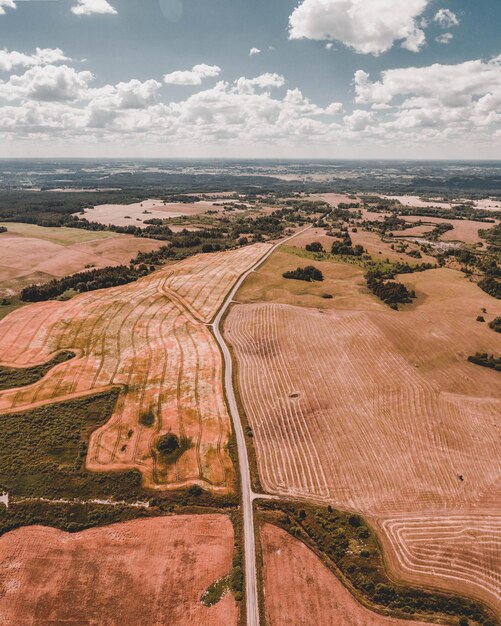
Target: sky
251 78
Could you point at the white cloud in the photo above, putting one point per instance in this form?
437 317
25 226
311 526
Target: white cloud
42 56
6 4
254 51
90 7
49 83
263 81
366 26
446 18
445 38
193 76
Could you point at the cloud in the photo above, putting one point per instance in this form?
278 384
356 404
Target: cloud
446 18
6 4
263 81
444 38
42 56
193 76
254 51
90 7
49 83
368 27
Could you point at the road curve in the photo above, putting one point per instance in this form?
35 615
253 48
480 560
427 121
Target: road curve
248 496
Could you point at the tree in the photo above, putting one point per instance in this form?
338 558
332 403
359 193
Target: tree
168 444
308 273
315 246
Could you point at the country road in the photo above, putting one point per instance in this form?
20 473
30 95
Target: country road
248 495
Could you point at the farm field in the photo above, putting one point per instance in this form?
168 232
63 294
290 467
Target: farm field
300 589
140 572
464 230
30 253
379 412
150 339
136 214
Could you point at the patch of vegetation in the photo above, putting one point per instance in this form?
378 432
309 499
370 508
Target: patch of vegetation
349 547
170 447
496 324
344 245
491 285
11 377
390 292
84 281
308 274
438 231
215 592
486 360
43 451
147 418
493 237
3 229
315 246
414 254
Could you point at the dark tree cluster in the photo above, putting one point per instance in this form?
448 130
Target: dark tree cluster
308 273
3 229
390 292
496 324
486 360
491 285
438 231
315 246
84 281
344 245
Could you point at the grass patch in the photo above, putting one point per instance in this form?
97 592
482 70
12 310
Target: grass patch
348 546
43 450
11 377
215 592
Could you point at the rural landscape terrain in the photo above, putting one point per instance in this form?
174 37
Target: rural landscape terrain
249 398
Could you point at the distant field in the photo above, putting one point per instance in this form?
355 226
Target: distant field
140 572
136 214
379 412
150 339
32 254
299 589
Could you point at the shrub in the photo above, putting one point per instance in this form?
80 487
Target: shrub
315 246
168 444
147 418
480 318
496 324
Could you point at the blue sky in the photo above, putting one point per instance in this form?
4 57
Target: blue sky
331 78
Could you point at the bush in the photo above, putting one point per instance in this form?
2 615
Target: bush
496 324
308 273
147 418
168 444
486 360
480 318
316 246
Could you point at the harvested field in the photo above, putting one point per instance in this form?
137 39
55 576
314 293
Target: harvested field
333 198
149 572
464 230
300 589
379 412
382 250
416 201
150 339
31 254
136 214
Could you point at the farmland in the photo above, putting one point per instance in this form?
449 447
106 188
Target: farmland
145 571
33 253
148 339
379 412
300 589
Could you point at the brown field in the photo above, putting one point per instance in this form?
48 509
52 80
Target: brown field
378 411
333 198
135 214
300 591
149 572
464 230
382 250
150 338
30 254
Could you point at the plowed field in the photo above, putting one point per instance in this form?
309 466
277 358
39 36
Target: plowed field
149 572
379 412
150 338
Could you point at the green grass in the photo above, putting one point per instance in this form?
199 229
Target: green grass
216 591
349 547
19 377
43 450
60 235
